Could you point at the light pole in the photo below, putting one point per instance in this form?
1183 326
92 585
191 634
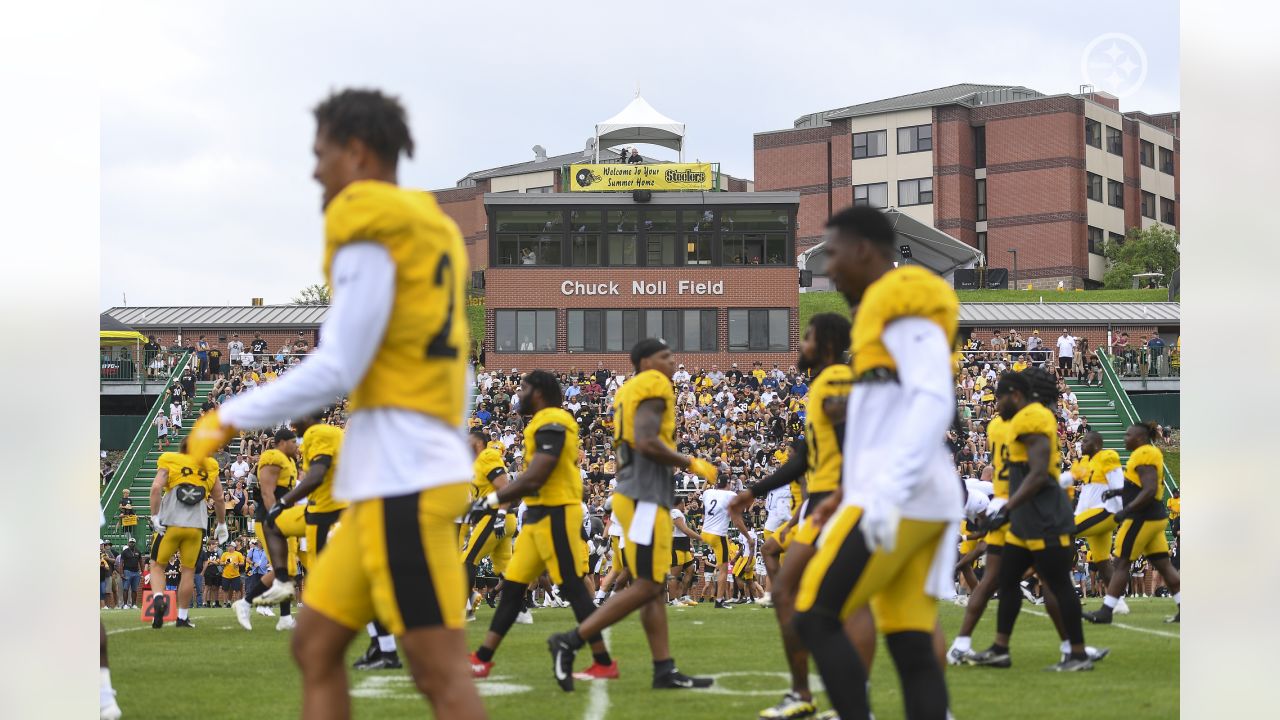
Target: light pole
1015 267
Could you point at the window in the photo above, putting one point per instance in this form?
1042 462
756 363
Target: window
870 144
1093 186
620 228
980 146
1117 238
660 230
754 237
982 200
699 234
525 331
1115 141
1148 205
915 192
540 189
1095 240
1115 194
1166 211
1093 133
759 330
584 237
915 139
530 237
1147 153
875 195
982 243
1166 160
620 330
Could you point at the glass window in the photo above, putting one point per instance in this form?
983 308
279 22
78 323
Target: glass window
621 226
759 330
1115 194
915 192
1095 240
661 227
1166 160
982 200
699 234
584 236
754 236
525 330
980 146
1093 133
620 330
1147 153
874 195
982 243
1093 186
915 139
530 237
1148 205
1115 141
1166 211
870 144
1115 237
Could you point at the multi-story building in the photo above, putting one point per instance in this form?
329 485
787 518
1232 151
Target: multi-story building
1015 173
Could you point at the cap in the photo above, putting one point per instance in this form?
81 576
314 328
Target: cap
681 364
133 540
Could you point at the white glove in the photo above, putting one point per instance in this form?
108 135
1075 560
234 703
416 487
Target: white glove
221 534
879 525
1066 480
996 505
157 525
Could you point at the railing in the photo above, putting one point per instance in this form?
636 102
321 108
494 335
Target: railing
1041 356
128 364
1128 412
1142 361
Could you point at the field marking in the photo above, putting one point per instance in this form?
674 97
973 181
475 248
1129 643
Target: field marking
598 701
402 687
815 683
1122 626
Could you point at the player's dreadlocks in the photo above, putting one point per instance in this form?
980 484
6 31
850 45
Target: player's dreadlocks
1044 389
375 119
546 385
1151 429
831 333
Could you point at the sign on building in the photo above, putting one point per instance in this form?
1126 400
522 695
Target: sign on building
618 177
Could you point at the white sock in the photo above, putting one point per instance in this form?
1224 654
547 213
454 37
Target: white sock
387 643
182 613
1177 597
1066 646
963 643
104 681
599 594
1110 601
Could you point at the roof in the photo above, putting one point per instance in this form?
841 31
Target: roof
551 163
1069 313
929 246
962 93
639 122
210 316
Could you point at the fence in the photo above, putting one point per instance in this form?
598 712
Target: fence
1146 361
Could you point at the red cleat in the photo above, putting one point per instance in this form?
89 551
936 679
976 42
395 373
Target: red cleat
480 669
599 672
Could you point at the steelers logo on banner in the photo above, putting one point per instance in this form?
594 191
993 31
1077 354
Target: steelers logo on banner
584 177
189 494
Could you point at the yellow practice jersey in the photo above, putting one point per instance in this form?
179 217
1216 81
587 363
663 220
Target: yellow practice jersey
1033 419
421 363
1100 464
564 486
488 465
644 386
1145 455
288 468
1080 469
824 456
998 441
185 470
320 440
907 291
797 496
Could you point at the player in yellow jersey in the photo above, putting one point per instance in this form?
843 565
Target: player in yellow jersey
819 457
490 537
178 493
644 438
395 343
892 526
1141 522
550 538
1095 515
278 535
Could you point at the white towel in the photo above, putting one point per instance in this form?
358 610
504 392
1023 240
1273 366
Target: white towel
641 530
941 580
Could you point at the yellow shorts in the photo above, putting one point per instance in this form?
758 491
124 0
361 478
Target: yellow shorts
1096 526
718 544
844 577
680 558
967 546
745 568
182 540
550 539
1036 544
619 562
994 540
485 543
806 532
292 524
645 561
395 559
1141 538
320 525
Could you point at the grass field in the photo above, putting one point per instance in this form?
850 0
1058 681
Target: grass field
221 671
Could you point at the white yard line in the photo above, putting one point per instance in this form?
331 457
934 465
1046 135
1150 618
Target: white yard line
598 701
1122 626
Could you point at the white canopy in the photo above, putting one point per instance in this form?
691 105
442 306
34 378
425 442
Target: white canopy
640 123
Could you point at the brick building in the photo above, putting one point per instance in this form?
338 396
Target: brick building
999 167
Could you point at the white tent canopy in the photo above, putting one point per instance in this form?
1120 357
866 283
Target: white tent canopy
640 123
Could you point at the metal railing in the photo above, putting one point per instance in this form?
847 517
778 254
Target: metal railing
1040 357
1143 361
1128 412
135 365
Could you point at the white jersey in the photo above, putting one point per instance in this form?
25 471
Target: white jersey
778 505
747 543
675 529
716 505
615 527
1091 493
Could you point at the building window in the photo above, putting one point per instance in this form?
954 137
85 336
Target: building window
982 244
699 235
584 237
1095 240
1148 205
661 228
1093 133
530 237
1093 186
621 230
870 144
917 138
540 189
1115 237
1115 193
915 192
1166 211
1166 160
875 195
754 237
620 330
759 330
1115 141
980 146
982 200
525 331
1147 153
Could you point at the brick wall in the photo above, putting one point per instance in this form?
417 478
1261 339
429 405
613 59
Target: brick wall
817 162
466 207
955 195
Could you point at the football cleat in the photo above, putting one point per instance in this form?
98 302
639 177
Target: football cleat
471 615
562 654
479 668
159 606
990 658
279 591
766 600
1177 618
722 605
370 653
790 707
1101 616
286 622
599 672
107 707
384 661
243 613
1070 665
185 623
525 617
1095 654
676 679
956 656
1122 608
262 610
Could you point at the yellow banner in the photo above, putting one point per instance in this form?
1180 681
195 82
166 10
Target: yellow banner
618 177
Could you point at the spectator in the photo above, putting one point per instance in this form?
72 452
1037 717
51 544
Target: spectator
259 348
202 358
1156 347
235 351
1066 351
162 430
131 572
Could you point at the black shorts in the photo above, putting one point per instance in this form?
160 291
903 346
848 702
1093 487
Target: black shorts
213 581
232 584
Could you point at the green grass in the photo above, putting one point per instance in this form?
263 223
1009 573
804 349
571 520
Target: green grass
1173 459
475 318
221 671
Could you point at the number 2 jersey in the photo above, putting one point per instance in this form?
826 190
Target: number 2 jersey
189 483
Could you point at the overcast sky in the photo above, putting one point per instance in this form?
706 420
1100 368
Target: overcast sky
207 196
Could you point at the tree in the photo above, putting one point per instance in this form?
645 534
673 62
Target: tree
317 294
1154 249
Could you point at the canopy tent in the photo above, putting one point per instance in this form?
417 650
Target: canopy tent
640 123
928 246
113 333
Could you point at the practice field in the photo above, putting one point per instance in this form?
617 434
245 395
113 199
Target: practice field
219 670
